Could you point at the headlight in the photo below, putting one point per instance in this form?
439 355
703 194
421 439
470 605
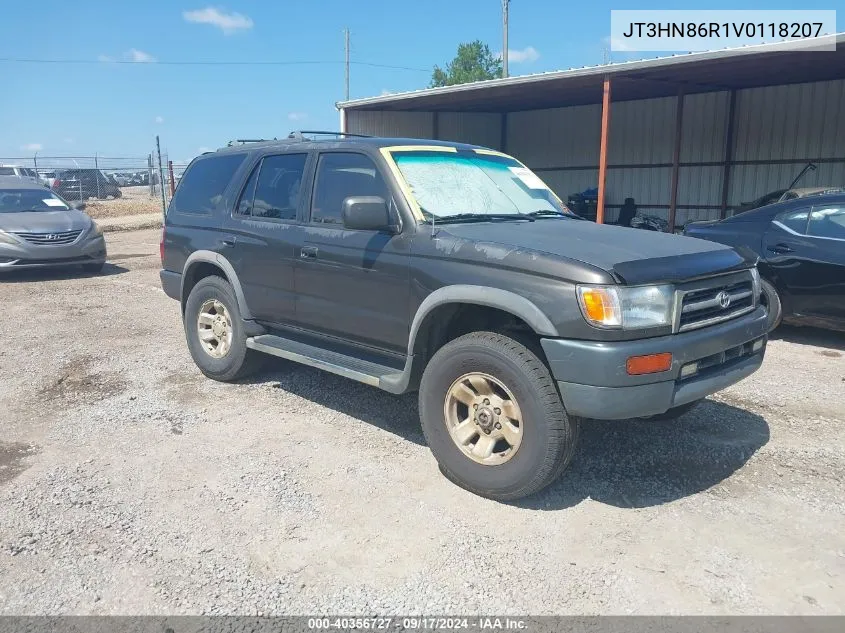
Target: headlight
5 238
627 307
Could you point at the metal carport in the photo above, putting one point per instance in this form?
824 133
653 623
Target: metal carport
689 136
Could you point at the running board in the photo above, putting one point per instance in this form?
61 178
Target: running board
382 376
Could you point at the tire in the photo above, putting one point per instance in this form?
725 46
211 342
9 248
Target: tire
770 298
548 436
239 361
674 413
93 268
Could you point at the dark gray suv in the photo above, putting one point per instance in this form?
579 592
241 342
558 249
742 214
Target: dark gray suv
455 271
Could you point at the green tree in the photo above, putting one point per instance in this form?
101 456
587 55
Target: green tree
474 62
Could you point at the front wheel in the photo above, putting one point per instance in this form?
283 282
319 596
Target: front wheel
769 297
492 416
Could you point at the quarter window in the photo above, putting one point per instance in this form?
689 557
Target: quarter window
340 176
203 185
279 186
795 220
827 222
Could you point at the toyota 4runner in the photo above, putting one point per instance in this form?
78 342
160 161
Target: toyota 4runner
455 271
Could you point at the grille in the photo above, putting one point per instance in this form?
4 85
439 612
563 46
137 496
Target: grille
700 308
51 239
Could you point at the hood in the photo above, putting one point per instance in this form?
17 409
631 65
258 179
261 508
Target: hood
44 221
634 256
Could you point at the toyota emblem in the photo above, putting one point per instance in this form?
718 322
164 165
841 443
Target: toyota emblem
724 299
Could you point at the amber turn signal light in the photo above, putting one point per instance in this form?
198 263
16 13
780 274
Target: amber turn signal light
650 364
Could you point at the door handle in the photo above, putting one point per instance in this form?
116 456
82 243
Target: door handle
781 249
308 252
227 241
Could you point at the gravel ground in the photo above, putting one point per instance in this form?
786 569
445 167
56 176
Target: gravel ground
133 201
131 484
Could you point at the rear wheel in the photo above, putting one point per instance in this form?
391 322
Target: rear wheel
769 297
493 418
215 332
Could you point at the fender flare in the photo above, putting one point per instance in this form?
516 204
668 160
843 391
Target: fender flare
505 300
221 262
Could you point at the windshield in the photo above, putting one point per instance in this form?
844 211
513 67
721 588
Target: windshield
447 184
20 200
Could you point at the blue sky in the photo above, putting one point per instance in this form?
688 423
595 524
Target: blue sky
117 109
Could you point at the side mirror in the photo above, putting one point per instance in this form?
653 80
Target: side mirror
367 213
78 205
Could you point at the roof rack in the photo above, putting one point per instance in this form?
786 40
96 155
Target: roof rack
300 135
244 141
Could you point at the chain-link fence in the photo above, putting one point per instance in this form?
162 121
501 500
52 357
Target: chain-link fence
124 183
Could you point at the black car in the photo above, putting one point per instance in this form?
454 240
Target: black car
453 270
801 244
81 184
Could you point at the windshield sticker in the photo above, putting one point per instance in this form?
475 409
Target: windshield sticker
528 178
53 202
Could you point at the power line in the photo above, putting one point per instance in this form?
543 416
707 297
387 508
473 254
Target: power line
26 60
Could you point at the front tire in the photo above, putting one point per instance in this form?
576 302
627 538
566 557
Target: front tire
215 333
492 416
769 297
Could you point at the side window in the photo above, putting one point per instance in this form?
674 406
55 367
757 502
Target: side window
795 220
245 203
279 184
7 171
339 176
827 222
204 183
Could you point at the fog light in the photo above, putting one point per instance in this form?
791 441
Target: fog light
757 345
689 369
650 364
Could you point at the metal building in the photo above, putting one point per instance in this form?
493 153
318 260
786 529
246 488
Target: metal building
687 136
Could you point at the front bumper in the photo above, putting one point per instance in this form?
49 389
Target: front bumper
594 382
88 250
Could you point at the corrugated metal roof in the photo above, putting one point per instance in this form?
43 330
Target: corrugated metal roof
795 63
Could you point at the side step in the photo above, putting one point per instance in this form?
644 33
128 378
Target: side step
382 376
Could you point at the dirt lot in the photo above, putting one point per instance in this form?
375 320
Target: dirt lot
131 484
133 201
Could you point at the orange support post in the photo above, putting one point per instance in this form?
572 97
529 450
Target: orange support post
170 174
605 128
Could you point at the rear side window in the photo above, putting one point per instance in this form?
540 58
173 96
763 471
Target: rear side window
7 171
828 222
245 203
279 186
201 188
794 220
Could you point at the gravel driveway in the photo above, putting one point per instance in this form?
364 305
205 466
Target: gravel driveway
129 483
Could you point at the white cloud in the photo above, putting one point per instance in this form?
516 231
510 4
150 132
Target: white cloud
134 55
105 59
227 22
297 116
32 147
526 55
386 92
159 119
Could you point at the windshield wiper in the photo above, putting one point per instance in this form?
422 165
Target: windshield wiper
481 217
551 213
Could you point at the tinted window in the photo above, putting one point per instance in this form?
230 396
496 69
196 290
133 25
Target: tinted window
279 185
245 203
7 171
828 222
795 220
202 187
340 176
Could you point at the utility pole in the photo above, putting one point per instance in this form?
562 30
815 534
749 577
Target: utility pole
505 4
346 34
